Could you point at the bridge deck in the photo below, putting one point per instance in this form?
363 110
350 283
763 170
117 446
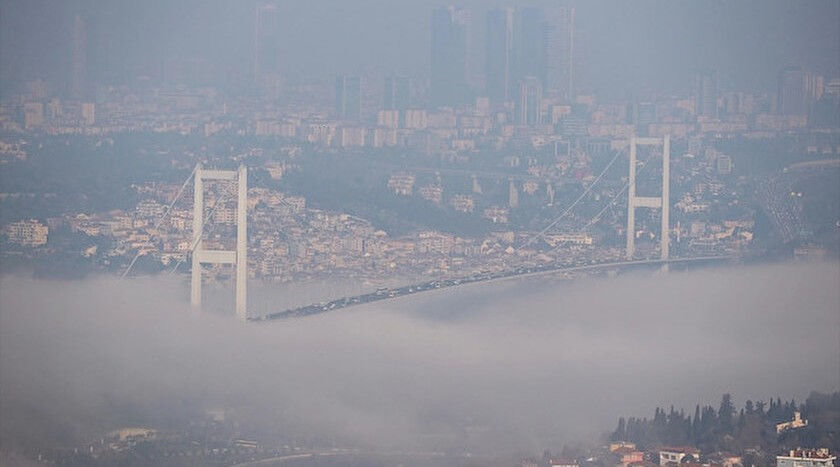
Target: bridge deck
518 273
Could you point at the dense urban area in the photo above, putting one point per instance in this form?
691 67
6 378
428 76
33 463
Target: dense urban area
413 193
404 184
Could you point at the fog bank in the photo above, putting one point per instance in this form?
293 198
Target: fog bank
516 365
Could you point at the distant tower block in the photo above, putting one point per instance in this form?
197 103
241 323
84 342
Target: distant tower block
476 187
656 202
238 257
513 195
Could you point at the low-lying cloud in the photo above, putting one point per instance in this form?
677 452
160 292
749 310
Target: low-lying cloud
516 365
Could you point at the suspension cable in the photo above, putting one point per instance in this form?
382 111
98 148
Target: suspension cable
159 221
568 210
597 217
222 200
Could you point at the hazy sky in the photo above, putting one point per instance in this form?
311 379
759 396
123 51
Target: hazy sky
515 365
622 46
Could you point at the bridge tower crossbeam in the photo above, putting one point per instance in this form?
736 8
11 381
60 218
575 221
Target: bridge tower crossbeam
237 257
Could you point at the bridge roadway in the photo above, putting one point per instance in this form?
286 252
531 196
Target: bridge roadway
349 452
487 175
518 273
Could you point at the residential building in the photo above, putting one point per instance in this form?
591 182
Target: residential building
797 422
675 454
802 457
27 233
348 97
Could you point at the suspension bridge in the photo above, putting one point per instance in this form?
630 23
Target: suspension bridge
434 285
237 180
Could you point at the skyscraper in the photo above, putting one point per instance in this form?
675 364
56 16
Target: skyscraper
397 97
450 44
397 93
798 91
559 50
529 102
78 60
266 43
499 54
826 111
348 97
544 48
530 44
706 93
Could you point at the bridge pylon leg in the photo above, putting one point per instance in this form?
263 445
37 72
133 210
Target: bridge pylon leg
661 202
237 257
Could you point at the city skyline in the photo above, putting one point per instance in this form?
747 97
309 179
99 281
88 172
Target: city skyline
228 48
453 235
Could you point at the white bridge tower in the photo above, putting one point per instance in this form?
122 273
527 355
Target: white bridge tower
237 257
656 202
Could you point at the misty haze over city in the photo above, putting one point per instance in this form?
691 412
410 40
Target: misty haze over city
639 47
378 233
524 365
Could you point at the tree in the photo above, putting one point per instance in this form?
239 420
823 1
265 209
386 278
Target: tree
725 414
620 432
759 407
695 425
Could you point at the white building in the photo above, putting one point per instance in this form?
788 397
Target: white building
27 233
33 114
806 458
462 203
416 119
675 455
797 422
89 113
351 137
388 118
402 184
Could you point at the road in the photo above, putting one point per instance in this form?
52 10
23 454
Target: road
518 273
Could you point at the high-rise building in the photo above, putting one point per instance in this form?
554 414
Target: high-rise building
348 97
706 93
397 96
450 45
543 47
826 112
88 113
499 55
266 43
529 102
397 93
513 195
559 51
530 44
798 91
78 59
